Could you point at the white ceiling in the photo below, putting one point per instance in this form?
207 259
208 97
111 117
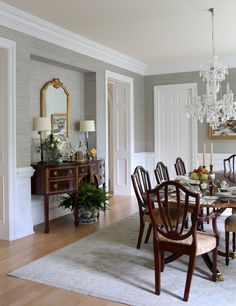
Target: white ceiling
155 32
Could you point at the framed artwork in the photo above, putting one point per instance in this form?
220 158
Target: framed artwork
224 131
59 126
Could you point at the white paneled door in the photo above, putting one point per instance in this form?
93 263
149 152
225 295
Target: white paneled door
121 138
175 134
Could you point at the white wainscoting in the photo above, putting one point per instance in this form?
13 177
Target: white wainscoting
22 216
147 160
29 210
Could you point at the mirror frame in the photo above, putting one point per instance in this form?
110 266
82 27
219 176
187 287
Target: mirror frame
56 83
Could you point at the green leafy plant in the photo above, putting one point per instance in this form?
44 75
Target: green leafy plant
89 197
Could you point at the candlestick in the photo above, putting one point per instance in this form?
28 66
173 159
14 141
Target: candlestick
203 154
211 154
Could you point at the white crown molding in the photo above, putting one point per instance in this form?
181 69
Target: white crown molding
23 22
187 66
26 23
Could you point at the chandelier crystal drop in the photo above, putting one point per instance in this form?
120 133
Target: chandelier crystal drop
215 112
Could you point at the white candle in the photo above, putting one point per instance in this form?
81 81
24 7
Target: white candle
211 155
203 154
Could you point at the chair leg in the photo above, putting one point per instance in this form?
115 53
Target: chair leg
233 242
189 276
208 213
214 264
162 260
157 263
200 224
186 224
140 236
227 248
148 233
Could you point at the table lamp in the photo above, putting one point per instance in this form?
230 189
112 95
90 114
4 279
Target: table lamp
41 124
87 126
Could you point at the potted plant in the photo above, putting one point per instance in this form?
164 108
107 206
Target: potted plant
90 200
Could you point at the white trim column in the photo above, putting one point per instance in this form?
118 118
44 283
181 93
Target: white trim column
10 137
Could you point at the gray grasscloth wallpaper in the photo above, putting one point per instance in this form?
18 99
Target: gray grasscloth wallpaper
220 146
38 61
26 46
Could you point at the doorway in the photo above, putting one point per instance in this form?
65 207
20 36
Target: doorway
119 132
175 135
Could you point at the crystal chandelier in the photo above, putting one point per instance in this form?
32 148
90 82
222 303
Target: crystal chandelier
215 112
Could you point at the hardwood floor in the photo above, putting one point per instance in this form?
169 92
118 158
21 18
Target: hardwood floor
14 254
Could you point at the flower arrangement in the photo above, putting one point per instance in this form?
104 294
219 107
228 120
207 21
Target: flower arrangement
50 143
51 146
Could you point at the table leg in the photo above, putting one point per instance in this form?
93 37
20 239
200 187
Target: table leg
76 215
46 214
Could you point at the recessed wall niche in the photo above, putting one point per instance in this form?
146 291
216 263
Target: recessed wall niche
77 83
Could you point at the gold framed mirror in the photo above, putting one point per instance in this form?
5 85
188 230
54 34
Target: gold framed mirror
55 103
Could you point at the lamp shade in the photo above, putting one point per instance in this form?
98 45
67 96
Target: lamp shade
42 124
87 126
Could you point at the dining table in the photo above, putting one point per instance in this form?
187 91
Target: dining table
220 202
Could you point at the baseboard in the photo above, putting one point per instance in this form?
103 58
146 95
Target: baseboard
37 203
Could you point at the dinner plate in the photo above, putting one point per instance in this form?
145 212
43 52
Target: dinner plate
226 195
210 198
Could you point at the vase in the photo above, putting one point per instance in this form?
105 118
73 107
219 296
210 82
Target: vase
87 216
52 155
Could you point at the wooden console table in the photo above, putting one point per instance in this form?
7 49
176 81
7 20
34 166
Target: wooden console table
53 179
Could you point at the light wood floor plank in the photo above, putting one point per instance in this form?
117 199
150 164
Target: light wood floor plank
14 254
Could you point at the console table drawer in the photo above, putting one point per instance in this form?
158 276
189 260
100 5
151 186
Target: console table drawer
93 168
60 186
83 170
61 172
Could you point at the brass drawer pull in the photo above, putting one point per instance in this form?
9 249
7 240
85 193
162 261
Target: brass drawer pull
70 172
55 173
55 186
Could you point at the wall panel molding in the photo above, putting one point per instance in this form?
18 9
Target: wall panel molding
22 217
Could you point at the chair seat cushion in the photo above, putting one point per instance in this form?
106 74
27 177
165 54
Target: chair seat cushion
146 216
158 218
205 242
230 223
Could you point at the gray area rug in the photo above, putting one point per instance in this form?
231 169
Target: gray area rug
107 265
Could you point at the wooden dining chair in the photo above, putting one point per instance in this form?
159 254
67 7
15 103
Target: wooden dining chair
161 173
230 227
180 166
172 237
229 163
141 183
